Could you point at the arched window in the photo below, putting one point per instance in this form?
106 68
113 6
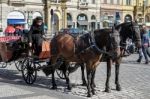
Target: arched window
16 17
93 1
82 17
93 17
69 17
82 22
147 18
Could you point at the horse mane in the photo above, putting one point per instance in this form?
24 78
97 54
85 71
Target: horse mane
99 31
125 24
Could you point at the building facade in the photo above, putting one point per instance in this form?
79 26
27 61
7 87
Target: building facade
19 12
142 11
109 9
83 14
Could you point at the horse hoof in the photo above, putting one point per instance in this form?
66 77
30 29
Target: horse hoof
54 87
94 85
69 88
93 92
89 95
107 90
118 88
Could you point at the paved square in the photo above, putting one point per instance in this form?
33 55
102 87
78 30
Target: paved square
134 80
8 91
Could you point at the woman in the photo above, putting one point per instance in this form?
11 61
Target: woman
35 35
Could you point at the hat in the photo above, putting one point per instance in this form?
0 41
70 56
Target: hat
39 18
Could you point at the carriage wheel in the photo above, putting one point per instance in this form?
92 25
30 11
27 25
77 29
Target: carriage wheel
60 74
18 65
29 72
3 64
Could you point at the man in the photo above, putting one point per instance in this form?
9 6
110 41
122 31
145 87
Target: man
145 45
35 35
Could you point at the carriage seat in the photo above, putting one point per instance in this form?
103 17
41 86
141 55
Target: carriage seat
45 53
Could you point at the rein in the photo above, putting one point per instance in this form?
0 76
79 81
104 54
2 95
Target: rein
94 45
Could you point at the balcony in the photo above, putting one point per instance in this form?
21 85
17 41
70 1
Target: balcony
17 1
83 5
59 1
55 1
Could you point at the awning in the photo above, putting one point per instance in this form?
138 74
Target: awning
10 29
16 21
70 23
83 22
147 24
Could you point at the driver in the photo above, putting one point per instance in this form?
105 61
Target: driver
35 35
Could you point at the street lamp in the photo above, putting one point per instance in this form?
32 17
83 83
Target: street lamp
28 18
144 8
1 18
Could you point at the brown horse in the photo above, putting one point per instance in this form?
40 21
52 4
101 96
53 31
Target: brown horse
80 50
126 30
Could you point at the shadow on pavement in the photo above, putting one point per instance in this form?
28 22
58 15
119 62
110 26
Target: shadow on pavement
14 77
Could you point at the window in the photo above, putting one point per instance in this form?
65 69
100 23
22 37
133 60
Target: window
83 0
111 1
93 1
128 2
105 1
118 1
69 17
82 17
93 17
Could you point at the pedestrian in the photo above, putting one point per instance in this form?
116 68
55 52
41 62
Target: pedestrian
145 45
19 30
35 35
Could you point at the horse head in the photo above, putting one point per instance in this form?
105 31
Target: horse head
130 30
115 42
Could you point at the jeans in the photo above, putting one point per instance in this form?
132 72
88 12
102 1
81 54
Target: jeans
144 51
140 54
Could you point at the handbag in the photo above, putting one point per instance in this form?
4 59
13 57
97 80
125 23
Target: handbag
145 44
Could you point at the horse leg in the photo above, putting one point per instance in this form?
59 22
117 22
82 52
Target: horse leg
53 60
92 82
54 86
67 79
88 83
93 77
118 87
109 62
83 76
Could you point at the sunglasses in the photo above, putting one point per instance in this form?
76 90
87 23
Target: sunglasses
39 21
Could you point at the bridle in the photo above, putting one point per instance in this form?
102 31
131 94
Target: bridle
114 38
134 31
130 34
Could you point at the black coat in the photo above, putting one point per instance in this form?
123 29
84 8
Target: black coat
36 30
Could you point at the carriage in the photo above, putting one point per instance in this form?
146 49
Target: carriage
15 50
31 64
12 50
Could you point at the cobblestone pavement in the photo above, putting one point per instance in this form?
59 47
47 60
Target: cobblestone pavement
134 79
